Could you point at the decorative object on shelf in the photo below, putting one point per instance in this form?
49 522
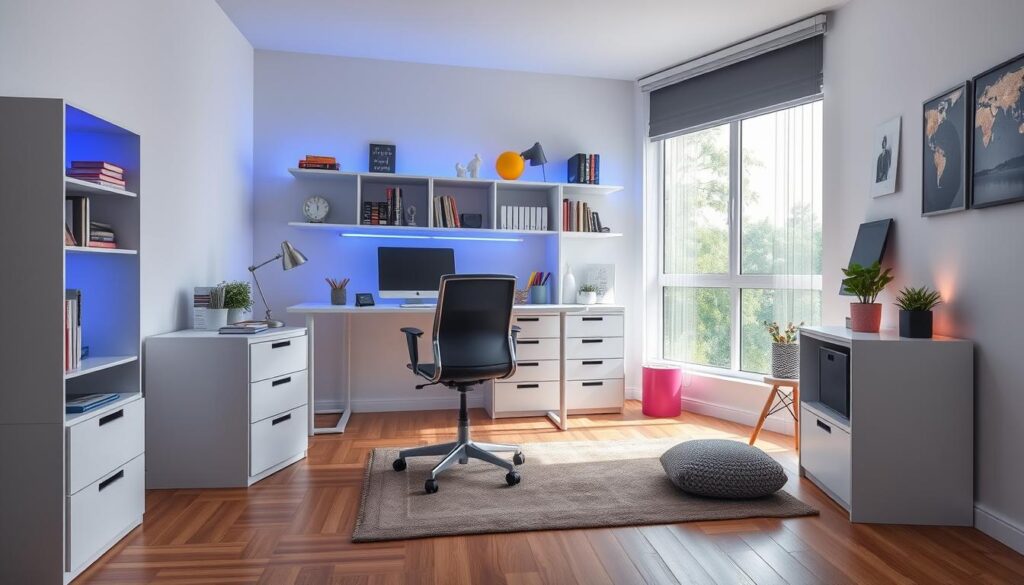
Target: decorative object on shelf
916 306
785 350
216 313
998 155
584 168
568 286
510 165
237 300
460 170
471 220
290 258
521 297
339 291
535 156
102 173
410 215
886 157
602 278
382 158
865 283
364 299
474 166
587 295
944 180
315 209
319 163
537 285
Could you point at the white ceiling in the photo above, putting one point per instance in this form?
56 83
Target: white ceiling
618 39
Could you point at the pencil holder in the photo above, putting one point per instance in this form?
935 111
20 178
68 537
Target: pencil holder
339 296
539 294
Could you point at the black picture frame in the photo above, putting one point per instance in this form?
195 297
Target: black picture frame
382 158
986 176
932 199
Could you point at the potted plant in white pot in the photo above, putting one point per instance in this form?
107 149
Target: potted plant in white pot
587 294
216 313
916 306
865 283
237 300
785 350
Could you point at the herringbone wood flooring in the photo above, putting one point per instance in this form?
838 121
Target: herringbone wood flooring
294 528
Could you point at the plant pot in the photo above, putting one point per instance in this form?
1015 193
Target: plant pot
236 315
865 317
586 298
339 296
786 360
916 324
216 318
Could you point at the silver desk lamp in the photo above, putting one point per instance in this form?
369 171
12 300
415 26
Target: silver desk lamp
290 258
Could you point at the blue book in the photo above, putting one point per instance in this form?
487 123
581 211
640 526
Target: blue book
88 402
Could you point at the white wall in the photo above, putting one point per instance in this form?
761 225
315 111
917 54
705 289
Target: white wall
883 59
437 115
180 75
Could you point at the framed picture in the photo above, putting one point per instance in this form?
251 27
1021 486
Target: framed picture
997 167
382 158
886 157
946 151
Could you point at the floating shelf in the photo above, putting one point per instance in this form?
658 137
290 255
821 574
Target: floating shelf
95 364
77 417
72 185
590 235
408 231
85 250
568 189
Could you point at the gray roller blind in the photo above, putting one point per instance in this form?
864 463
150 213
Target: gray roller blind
783 75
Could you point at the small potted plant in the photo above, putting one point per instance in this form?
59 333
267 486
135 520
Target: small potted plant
865 283
916 306
237 300
587 294
216 313
785 350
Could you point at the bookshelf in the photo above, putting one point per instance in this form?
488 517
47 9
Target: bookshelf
63 467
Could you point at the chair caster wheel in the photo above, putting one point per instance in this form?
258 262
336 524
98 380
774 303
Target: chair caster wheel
430 486
512 478
398 464
519 458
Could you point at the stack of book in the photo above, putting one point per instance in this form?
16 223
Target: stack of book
81 230
87 402
585 168
97 171
578 217
243 328
524 218
72 329
387 212
322 163
101 235
200 301
446 213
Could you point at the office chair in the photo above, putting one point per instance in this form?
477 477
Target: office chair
473 342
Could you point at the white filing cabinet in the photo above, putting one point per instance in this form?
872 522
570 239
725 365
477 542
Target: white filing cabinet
224 410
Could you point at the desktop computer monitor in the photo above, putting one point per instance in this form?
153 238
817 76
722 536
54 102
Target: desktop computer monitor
412 273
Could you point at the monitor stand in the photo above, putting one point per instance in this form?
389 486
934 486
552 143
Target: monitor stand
416 303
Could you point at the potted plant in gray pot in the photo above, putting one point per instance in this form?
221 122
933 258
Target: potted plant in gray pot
916 306
865 283
237 300
216 312
785 350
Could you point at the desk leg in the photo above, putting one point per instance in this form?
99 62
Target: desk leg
310 373
345 412
561 418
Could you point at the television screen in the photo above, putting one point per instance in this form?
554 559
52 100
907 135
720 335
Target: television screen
870 245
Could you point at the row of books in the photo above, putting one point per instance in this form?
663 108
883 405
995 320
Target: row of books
97 171
81 230
72 329
446 212
577 216
387 212
323 163
585 168
524 218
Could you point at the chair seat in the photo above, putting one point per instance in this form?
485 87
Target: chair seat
456 374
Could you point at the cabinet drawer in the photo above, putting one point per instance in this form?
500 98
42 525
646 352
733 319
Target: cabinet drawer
102 510
585 348
271 359
97 446
593 394
595 369
276 395
534 326
537 349
593 326
275 439
525 396
825 453
535 371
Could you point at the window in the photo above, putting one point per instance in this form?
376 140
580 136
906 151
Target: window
740 239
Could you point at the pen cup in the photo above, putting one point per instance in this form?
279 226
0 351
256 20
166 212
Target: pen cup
539 294
339 296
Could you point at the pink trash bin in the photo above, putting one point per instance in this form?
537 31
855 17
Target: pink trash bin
662 389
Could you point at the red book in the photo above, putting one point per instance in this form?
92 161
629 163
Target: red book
95 172
107 245
102 180
315 158
96 164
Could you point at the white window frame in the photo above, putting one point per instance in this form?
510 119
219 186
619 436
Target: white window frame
735 281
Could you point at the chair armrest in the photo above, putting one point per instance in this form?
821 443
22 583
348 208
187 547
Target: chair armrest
412 334
515 333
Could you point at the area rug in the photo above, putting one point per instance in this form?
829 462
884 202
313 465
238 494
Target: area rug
564 485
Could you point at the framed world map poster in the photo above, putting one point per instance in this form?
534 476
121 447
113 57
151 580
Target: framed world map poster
998 158
944 182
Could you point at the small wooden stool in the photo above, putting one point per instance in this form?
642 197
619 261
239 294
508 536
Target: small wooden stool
779 399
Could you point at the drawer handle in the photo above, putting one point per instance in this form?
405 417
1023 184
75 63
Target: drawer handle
593 384
592 341
593 318
111 417
527 385
527 364
528 341
281 381
280 419
530 319
280 344
592 362
824 427
106 482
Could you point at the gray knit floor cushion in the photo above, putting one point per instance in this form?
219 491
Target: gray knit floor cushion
719 468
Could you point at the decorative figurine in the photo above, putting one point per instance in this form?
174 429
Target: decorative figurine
410 214
460 170
474 166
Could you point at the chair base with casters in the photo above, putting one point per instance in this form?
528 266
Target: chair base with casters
462 450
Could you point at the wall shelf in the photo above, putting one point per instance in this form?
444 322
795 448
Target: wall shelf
409 231
86 250
590 235
569 189
72 185
96 364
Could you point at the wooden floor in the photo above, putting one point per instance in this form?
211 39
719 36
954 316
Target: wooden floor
294 527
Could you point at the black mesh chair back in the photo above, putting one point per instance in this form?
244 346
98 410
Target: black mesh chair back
472 326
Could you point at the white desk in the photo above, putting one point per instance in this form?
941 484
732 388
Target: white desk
311 310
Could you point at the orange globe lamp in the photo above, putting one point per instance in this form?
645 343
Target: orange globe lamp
510 165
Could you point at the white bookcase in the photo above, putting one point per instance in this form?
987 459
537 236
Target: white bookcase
73 484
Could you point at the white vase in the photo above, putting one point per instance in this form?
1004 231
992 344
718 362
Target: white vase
568 286
216 318
236 315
